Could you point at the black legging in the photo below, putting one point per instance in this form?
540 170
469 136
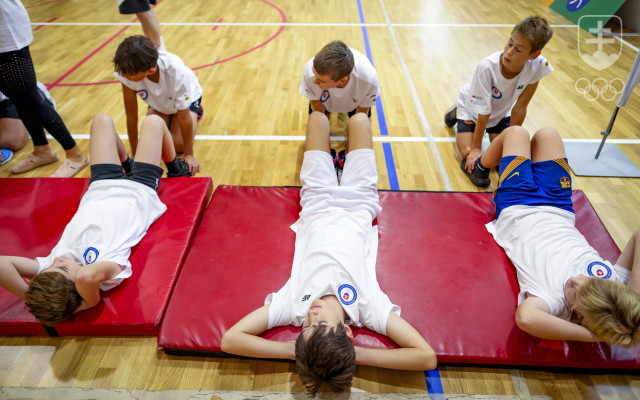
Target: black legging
18 82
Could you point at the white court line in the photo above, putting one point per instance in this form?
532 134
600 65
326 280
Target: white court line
442 170
303 24
383 139
307 24
520 384
625 42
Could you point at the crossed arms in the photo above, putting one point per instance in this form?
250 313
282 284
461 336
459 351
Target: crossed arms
414 352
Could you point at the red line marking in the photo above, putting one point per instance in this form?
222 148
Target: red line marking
41 26
284 20
57 82
216 26
42 4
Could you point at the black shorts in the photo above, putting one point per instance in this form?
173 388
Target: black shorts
134 6
146 174
193 107
470 126
8 110
350 113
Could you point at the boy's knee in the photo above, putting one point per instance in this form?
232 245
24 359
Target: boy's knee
102 118
516 133
152 123
547 133
359 119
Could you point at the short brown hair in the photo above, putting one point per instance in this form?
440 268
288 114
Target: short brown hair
610 310
335 59
325 358
135 54
52 297
535 30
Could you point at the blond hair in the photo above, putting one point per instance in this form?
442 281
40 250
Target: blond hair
610 310
535 30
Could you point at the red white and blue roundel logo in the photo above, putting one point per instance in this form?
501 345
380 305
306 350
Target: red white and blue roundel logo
90 255
598 269
324 96
143 94
347 294
495 93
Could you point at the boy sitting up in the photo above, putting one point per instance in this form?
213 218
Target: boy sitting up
340 79
499 80
169 87
113 216
562 278
333 278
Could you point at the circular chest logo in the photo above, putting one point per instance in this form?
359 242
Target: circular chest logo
143 94
599 270
90 255
324 96
575 5
347 294
495 93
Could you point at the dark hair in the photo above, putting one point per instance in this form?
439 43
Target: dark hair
135 54
335 59
52 297
325 358
535 30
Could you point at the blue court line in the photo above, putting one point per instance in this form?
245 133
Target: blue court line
434 384
382 122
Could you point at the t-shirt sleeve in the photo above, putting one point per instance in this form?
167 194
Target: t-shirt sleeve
306 88
369 99
542 68
181 85
622 275
280 309
44 262
124 80
479 98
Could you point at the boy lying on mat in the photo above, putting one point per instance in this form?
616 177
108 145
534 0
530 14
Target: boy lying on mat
333 279
113 216
562 278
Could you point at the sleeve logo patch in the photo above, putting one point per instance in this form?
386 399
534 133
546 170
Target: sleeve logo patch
347 294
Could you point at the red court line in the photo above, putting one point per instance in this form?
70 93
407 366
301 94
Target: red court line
216 26
41 26
57 82
42 4
284 20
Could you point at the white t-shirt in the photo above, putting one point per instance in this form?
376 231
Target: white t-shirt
361 90
491 93
336 245
113 216
15 27
547 249
176 89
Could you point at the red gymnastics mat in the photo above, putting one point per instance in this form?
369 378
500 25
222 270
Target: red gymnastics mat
435 259
34 212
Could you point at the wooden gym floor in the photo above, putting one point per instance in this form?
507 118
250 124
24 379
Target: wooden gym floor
250 66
